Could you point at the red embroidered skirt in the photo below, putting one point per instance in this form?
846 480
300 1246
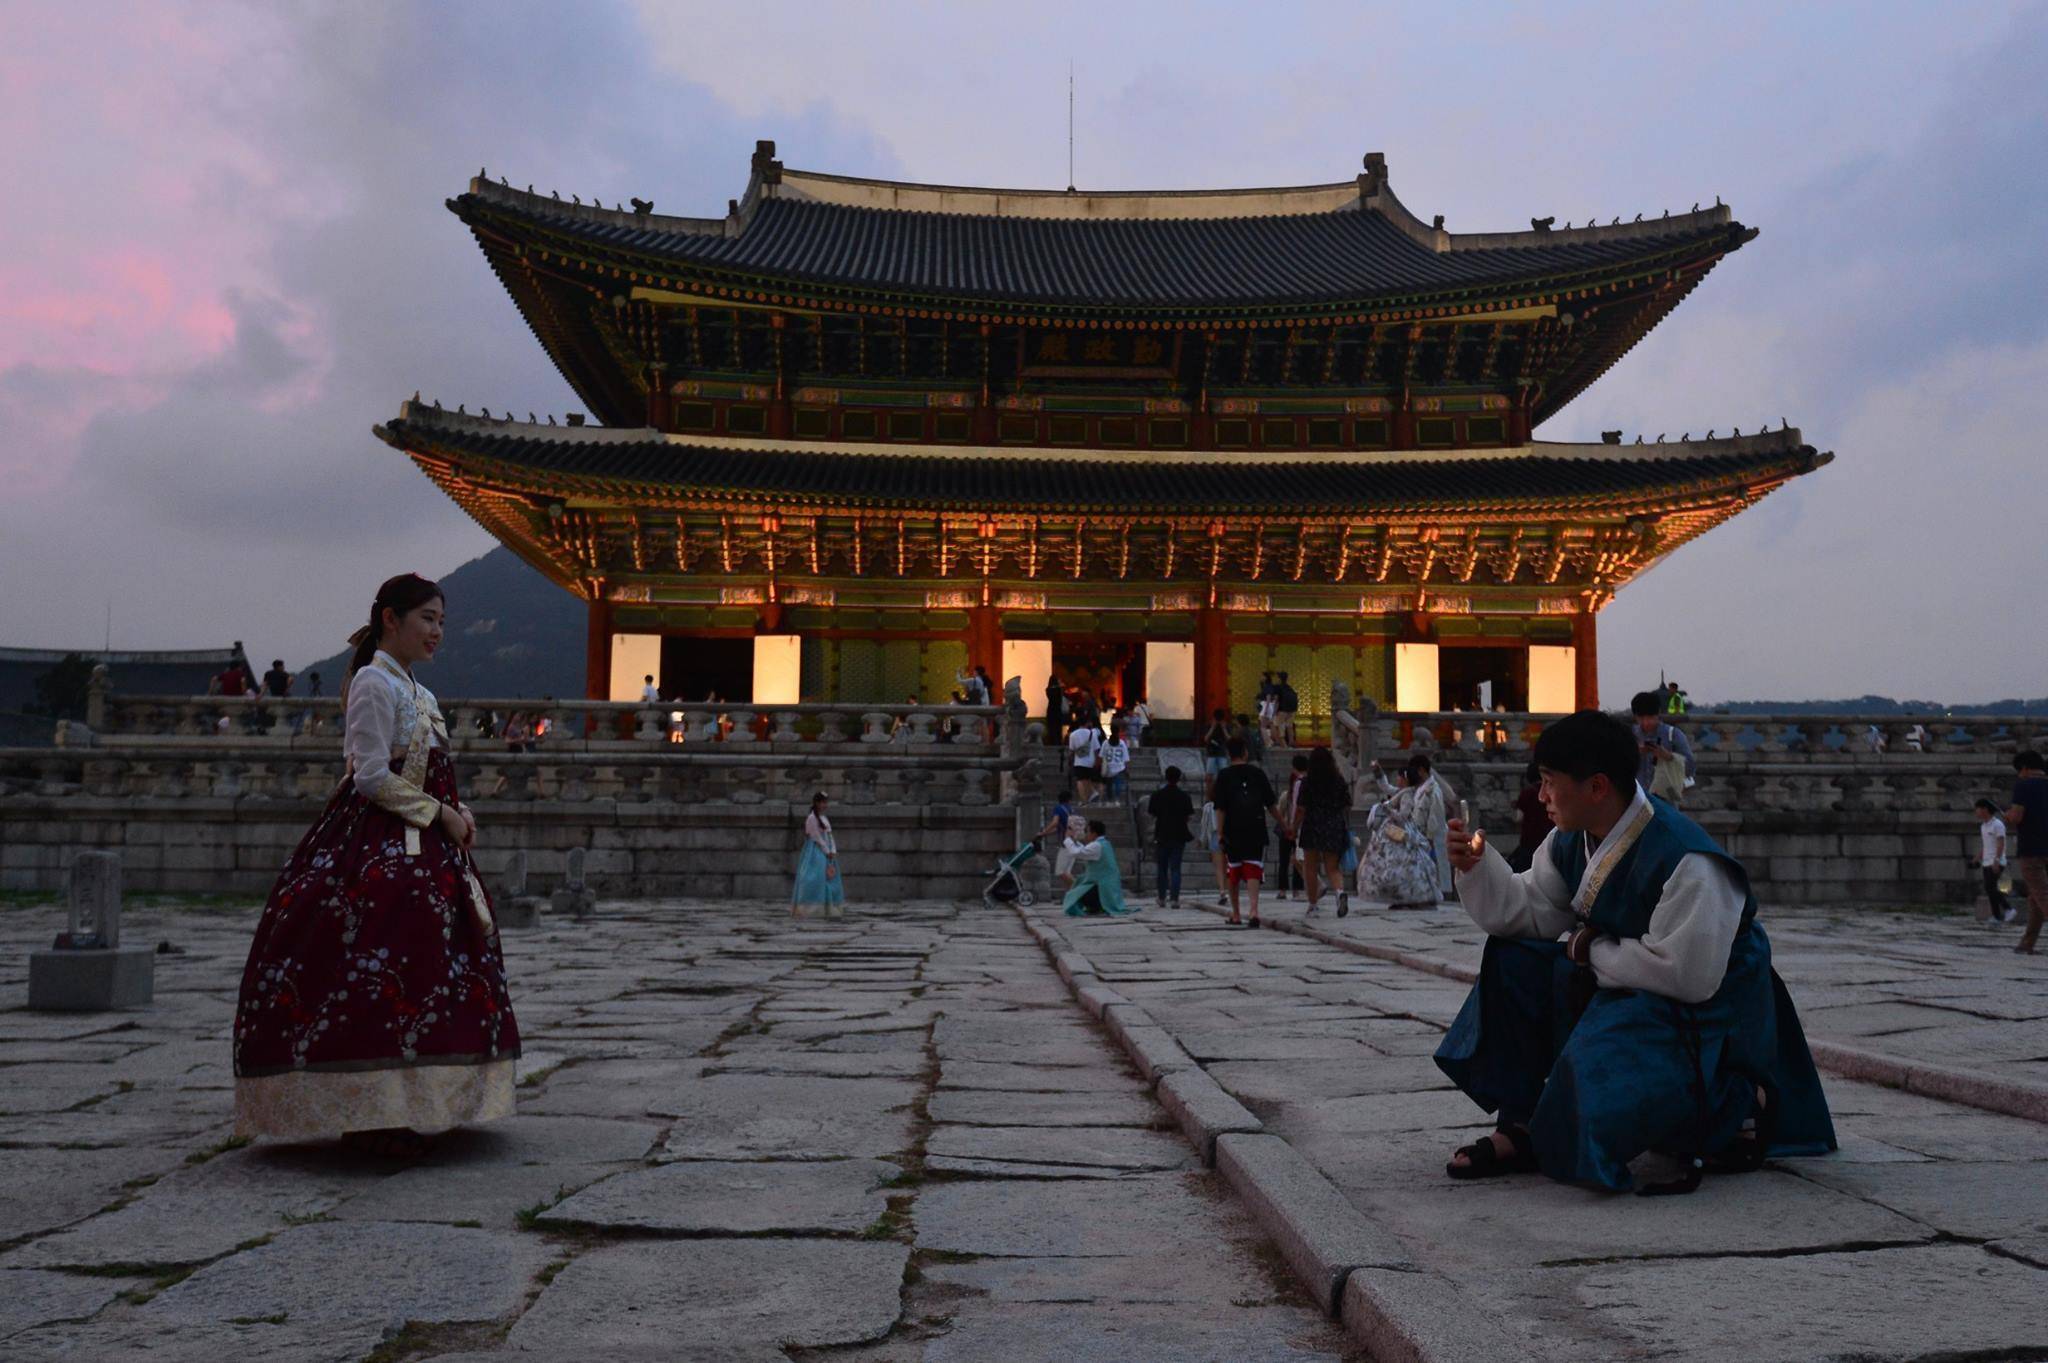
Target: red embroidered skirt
375 990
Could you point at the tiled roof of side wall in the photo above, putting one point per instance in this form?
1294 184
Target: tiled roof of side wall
1219 262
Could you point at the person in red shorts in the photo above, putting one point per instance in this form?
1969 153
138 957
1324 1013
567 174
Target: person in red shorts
1244 799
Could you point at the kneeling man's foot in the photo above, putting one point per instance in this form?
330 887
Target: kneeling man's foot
1507 1151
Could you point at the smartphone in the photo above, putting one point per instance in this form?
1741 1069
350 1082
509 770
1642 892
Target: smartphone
1465 816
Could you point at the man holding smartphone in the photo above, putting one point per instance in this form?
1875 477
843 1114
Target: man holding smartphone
1626 1000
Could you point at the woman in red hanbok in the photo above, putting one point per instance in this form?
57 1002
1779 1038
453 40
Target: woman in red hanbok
374 1004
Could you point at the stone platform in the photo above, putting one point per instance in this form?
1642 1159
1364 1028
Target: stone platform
918 1134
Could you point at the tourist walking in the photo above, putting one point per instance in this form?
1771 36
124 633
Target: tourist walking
374 1005
1429 808
819 888
1170 809
1141 720
1244 798
1322 827
1113 760
1664 765
1290 817
1098 880
1208 837
1216 744
1055 713
1254 742
1991 860
1083 747
1286 703
1399 865
1263 705
2029 813
1534 819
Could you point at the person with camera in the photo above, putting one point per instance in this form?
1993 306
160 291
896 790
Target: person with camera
1626 1000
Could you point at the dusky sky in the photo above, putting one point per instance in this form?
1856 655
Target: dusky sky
224 255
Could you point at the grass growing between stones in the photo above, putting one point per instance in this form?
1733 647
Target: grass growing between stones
218 1148
528 1218
278 1319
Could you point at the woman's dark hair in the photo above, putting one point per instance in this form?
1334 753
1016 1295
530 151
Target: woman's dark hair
402 595
1098 828
818 799
1645 703
1588 744
1987 806
1532 775
1417 768
2021 761
1324 784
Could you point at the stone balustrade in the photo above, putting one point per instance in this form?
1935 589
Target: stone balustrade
582 725
1821 808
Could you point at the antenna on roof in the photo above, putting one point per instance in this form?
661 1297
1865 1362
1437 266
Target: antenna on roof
1070 125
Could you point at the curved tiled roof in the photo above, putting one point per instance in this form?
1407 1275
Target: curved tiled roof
1108 481
1354 253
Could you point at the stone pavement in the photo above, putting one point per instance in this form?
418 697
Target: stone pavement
893 1137
1925 1237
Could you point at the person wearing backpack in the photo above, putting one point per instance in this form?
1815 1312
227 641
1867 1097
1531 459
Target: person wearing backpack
1244 799
1082 746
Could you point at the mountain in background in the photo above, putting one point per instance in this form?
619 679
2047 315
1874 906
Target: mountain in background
511 633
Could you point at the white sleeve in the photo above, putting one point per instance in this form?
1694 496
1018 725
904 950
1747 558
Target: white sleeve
1684 955
368 736
1085 851
1534 904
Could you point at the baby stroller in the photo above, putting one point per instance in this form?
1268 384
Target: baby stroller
1006 884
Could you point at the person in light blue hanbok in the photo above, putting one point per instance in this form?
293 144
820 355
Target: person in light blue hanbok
1098 881
819 888
1658 1023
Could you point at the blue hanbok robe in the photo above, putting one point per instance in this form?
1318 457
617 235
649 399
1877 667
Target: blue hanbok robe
1101 874
1637 1071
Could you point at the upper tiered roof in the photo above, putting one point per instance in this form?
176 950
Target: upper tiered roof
1327 247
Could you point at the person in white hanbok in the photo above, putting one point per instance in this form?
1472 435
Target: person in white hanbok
1399 865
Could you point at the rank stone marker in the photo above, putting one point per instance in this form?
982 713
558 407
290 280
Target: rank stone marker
517 908
88 970
574 897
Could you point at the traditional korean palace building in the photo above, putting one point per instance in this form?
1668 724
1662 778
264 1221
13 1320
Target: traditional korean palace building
858 435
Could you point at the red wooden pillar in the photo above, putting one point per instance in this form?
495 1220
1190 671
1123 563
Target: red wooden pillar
985 643
597 651
1585 662
1212 665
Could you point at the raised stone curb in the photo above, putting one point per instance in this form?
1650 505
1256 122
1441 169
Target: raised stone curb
1098 999
1405 1316
1205 1112
1077 970
1315 1225
1151 1047
1356 1271
1971 1089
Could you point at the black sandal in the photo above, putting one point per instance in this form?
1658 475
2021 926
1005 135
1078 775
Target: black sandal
1484 1159
1752 1145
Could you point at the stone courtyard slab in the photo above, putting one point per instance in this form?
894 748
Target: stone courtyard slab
736 1197
623 1301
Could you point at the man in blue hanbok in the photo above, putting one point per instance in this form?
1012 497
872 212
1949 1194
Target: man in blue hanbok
1657 1022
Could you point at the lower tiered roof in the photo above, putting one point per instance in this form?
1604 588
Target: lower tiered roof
585 503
